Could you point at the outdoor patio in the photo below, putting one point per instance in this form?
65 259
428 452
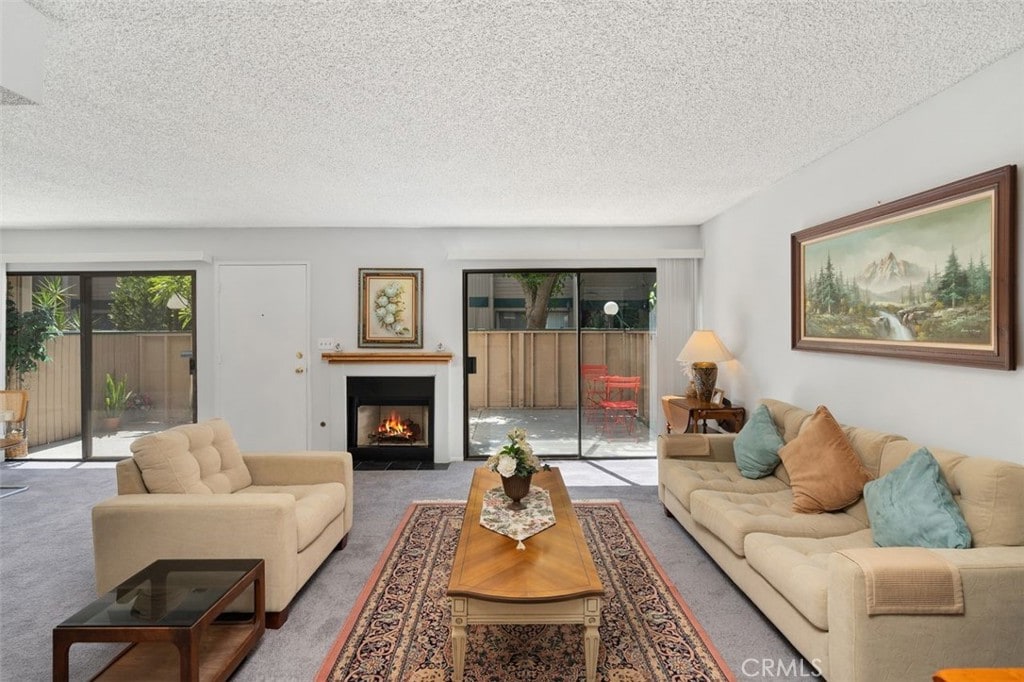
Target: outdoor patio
552 432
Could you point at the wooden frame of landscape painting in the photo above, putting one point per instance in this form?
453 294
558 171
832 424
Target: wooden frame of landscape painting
928 277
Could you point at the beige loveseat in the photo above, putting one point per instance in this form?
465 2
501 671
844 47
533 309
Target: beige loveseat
189 492
804 571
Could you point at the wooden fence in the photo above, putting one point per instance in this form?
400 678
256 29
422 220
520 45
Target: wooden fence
515 369
539 369
156 366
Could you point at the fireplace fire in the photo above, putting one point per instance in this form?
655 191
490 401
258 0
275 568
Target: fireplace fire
399 427
394 429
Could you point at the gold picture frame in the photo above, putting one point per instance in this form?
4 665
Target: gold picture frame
391 308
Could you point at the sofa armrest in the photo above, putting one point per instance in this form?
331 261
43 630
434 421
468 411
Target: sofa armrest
132 531
715 447
304 468
863 647
299 468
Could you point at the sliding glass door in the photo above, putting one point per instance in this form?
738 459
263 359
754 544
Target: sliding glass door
120 359
615 346
546 351
521 331
141 344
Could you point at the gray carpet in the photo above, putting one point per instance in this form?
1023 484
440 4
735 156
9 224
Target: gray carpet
46 574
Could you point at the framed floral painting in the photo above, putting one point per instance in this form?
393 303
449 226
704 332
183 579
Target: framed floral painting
390 308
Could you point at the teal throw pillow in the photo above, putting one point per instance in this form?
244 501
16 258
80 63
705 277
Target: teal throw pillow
911 506
757 445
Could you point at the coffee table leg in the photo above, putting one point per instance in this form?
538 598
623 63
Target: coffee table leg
460 611
591 637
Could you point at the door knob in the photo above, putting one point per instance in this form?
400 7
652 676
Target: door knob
300 370
299 355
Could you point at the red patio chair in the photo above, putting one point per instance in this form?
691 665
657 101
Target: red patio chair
620 404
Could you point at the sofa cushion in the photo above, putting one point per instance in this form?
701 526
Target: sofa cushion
733 516
911 506
757 445
825 472
987 491
789 418
869 445
220 462
166 463
798 567
683 477
316 505
192 458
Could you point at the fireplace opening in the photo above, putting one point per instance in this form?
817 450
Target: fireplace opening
390 419
396 425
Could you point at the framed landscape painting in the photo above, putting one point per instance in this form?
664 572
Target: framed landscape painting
391 308
929 277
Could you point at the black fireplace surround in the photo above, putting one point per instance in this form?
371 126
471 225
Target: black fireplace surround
405 401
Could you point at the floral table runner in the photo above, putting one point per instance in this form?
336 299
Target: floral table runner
518 525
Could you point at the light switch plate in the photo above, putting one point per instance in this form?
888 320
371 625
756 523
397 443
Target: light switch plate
325 344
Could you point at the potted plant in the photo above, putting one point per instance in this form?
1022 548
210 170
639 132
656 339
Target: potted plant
27 334
115 401
25 347
516 464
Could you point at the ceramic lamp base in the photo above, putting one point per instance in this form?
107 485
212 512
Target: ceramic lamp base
705 374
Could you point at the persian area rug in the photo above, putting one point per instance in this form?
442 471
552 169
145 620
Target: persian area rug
399 628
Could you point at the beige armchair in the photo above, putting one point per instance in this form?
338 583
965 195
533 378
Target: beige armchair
189 492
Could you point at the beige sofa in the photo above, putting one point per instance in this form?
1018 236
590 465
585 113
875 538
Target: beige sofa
800 569
189 492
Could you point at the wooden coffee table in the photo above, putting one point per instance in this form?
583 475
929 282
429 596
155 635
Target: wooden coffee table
170 609
553 581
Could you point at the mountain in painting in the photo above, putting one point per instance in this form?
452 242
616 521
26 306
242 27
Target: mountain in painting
890 274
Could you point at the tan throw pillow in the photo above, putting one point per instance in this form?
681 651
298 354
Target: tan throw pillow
824 470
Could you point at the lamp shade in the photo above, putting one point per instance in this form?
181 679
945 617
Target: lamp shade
704 346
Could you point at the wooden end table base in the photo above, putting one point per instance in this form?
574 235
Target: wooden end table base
468 611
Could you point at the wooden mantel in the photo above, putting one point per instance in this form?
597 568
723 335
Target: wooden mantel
391 357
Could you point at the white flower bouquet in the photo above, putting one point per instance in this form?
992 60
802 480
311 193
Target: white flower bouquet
516 457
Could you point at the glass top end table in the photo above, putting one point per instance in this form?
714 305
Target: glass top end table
171 602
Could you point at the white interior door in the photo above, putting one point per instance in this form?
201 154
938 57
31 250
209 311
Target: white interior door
263 354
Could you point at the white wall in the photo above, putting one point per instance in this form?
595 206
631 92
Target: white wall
334 256
973 127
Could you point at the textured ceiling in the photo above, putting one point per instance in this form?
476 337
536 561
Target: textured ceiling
462 112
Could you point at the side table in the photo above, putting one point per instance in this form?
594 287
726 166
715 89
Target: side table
171 604
688 413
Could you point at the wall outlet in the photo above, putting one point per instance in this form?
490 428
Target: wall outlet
326 344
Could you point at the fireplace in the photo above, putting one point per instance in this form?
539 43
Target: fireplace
391 419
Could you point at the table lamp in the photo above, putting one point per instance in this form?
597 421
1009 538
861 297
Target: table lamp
703 351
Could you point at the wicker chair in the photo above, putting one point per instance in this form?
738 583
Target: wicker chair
13 409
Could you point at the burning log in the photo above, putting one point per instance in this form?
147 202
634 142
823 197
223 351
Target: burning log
394 429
